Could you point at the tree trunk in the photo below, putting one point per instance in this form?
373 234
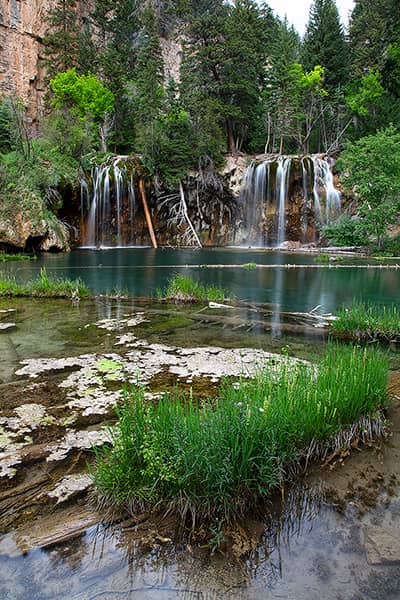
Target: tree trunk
147 213
231 139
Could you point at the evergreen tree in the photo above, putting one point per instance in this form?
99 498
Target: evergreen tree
224 68
374 94
61 40
6 126
374 26
325 44
148 83
281 93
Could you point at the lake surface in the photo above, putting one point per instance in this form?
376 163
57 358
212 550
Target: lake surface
142 271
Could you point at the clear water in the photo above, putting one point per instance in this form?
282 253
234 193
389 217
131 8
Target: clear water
142 271
313 553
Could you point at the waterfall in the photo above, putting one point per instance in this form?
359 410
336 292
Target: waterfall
324 189
285 197
108 204
282 188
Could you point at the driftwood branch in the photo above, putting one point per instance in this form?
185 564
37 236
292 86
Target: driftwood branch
142 192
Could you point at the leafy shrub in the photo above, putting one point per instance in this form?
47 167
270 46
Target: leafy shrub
345 232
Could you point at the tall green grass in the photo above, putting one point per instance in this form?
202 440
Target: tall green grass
182 288
43 287
219 459
368 322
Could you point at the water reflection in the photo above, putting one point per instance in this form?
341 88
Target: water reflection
304 550
142 271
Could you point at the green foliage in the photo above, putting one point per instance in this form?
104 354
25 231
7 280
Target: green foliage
389 246
223 70
371 168
47 173
219 459
6 125
374 26
173 149
71 135
182 288
368 322
43 287
365 98
345 232
322 258
83 93
4 257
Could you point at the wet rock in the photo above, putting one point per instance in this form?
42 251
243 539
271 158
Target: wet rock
78 440
56 529
70 486
35 367
382 546
8 464
32 223
118 324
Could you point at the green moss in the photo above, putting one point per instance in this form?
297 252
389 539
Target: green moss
169 324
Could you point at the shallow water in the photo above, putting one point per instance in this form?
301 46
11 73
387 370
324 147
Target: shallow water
311 553
142 271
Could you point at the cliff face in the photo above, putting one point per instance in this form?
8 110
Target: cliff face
22 27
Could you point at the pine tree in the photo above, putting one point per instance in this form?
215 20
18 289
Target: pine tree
325 44
281 99
148 81
374 26
224 68
61 40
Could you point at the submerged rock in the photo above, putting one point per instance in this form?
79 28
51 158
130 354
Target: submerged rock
382 546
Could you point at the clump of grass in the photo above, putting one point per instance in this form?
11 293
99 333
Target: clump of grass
4 257
250 266
327 258
181 288
218 460
365 322
43 287
322 258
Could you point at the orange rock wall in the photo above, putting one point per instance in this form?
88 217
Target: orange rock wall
22 72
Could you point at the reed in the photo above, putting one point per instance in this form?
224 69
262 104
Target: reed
365 322
43 287
220 458
181 288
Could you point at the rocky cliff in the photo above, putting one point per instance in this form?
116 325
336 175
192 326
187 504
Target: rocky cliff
22 27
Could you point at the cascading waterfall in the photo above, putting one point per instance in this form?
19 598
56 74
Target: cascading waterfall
108 205
324 187
282 188
288 198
